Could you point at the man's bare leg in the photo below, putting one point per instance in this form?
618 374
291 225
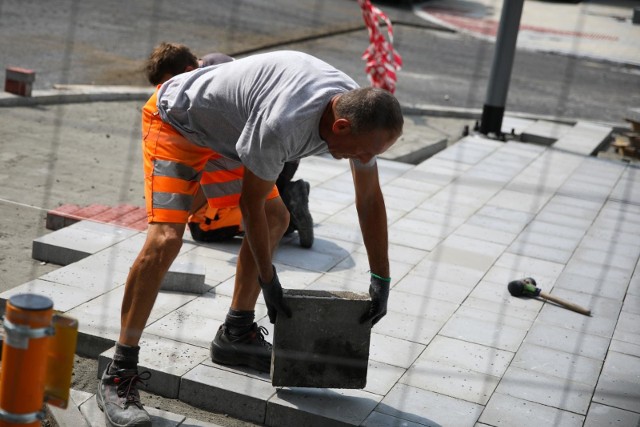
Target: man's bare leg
161 248
118 395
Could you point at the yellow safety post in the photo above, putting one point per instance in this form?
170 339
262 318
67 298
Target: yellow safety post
35 366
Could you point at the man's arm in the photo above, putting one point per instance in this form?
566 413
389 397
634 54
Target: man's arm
372 216
252 204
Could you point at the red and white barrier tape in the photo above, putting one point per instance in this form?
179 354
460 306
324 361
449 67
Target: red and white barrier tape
382 61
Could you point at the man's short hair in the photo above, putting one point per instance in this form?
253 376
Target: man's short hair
369 109
169 58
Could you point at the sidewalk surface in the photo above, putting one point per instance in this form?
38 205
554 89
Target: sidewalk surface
466 216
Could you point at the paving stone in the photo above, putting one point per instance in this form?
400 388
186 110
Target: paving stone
381 377
319 407
467 355
422 227
377 419
631 304
408 327
358 265
450 273
527 313
619 383
568 340
79 275
584 138
630 348
412 240
606 258
548 390
167 360
495 317
78 241
557 363
394 351
481 233
190 422
545 132
495 224
529 203
218 390
601 415
483 332
428 408
431 289
465 258
184 277
417 305
64 297
590 285
505 410
329 349
450 380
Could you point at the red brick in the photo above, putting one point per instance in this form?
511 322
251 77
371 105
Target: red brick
61 217
141 225
131 217
89 212
19 81
114 213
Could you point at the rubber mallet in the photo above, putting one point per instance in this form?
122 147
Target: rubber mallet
527 288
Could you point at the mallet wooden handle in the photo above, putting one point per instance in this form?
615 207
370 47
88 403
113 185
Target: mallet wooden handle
567 304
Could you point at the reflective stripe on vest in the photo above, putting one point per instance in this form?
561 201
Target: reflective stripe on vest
221 163
172 201
221 189
175 170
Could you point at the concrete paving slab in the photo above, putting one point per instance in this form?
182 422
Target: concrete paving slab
450 380
432 289
394 351
377 419
600 415
417 305
184 277
329 349
381 377
319 407
428 408
557 363
505 410
547 390
544 132
408 327
64 297
619 383
218 390
568 340
71 416
449 273
484 332
467 355
584 138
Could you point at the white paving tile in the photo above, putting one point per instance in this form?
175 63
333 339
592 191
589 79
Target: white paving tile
428 408
557 363
505 410
545 389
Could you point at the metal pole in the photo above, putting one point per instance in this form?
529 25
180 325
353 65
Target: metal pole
493 109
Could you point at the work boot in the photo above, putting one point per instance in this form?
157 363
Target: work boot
249 349
298 205
119 399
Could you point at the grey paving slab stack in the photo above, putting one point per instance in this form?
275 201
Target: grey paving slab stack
323 344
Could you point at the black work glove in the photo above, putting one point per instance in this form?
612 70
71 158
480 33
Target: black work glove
379 291
272 292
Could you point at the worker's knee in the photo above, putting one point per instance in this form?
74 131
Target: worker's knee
163 243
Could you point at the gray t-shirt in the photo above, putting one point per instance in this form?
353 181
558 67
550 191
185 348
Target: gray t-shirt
263 110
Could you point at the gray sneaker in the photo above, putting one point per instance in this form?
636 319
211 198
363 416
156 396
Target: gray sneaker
119 399
250 349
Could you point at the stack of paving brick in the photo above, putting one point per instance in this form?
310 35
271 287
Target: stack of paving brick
123 215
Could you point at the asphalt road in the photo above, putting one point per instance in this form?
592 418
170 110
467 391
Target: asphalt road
105 42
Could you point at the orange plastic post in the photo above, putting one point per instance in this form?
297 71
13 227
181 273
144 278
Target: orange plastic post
24 359
60 360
